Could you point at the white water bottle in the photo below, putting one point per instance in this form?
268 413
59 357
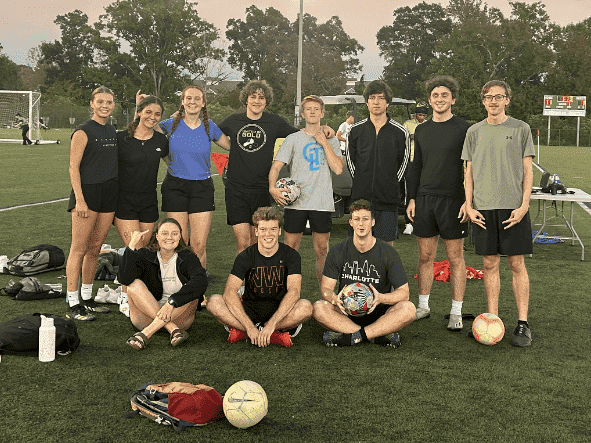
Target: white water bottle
46 340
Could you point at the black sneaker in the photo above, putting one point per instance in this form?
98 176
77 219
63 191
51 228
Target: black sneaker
521 336
78 312
93 306
392 340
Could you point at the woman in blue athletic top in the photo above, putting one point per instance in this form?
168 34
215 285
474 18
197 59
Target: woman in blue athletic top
187 191
93 174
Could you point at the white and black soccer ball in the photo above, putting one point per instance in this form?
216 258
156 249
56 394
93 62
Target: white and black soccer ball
245 404
290 189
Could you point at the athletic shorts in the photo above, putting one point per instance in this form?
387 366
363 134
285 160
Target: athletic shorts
260 311
368 319
240 206
142 206
438 215
495 239
99 197
295 220
386 226
191 196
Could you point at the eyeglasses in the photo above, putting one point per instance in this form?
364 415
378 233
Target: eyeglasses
497 98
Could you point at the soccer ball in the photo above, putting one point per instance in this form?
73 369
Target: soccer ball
291 190
245 404
488 329
357 299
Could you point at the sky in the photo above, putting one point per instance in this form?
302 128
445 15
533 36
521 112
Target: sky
24 24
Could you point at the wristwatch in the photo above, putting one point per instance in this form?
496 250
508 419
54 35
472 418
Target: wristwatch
171 302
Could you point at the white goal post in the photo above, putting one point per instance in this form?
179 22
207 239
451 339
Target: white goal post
18 108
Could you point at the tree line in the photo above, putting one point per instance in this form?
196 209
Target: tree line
162 46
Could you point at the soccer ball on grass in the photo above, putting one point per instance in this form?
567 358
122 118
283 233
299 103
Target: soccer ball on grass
488 329
245 404
357 299
290 189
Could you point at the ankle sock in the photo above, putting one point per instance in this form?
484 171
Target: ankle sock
72 298
424 301
86 291
456 307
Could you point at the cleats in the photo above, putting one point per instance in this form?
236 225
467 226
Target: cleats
423 313
521 336
294 331
236 335
391 340
92 306
78 312
455 323
281 339
331 338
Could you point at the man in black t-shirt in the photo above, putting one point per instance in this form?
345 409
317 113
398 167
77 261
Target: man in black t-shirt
373 262
436 195
271 274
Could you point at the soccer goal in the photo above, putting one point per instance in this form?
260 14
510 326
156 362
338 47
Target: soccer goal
17 109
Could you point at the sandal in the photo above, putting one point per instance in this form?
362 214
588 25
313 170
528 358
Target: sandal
177 337
138 341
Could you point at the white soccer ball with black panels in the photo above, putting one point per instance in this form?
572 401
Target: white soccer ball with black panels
290 189
245 404
357 299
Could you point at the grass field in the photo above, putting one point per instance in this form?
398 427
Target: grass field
438 387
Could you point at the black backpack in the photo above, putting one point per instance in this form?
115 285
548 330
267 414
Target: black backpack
20 336
35 260
30 288
108 266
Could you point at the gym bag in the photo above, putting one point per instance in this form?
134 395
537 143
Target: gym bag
20 336
35 260
176 404
108 266
30 288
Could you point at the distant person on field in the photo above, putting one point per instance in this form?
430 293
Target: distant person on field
499 152
165 283
365 259
436 195
253 135
420 115
378 154
270 311
93 201
24 125
311 158
344 129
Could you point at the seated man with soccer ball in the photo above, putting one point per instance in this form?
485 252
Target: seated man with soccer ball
270 311
356 315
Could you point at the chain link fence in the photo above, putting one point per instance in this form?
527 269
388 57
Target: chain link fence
563 137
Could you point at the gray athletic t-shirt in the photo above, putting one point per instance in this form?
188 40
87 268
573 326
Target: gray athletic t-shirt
496 153
309 168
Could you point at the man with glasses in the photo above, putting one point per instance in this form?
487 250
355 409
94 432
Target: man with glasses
377 157
499 152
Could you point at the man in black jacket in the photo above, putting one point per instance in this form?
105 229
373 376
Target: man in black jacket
377 157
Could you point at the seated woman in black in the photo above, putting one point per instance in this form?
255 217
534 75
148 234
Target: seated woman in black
165 284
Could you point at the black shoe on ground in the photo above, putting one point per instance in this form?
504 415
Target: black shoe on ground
93 306
521 336
392 340
78 312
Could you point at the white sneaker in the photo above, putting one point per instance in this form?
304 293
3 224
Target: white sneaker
112 297
103 294
423 313
407 229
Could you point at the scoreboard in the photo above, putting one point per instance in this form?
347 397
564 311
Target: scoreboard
565 105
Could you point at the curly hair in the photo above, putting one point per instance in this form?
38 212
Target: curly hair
153 243
181 112
256 85
147 101
378 87
446 81
267 213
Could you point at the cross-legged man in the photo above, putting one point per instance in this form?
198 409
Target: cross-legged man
436 195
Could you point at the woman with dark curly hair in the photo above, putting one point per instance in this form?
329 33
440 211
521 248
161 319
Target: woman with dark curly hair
165 284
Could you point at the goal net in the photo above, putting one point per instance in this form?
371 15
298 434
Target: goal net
17 109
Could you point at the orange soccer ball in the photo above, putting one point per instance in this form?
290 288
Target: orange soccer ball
488 329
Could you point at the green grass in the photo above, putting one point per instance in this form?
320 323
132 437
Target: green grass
438 386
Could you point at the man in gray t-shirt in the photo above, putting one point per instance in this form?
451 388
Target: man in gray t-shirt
499 152
311 157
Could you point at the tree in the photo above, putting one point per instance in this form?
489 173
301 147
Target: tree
409 46
265 45
9 74
168 41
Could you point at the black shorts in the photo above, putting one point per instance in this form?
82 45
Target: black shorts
295 220
240 206
99 197
191 196
438 215
260 311
368 319
495 239
142 206
386 226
